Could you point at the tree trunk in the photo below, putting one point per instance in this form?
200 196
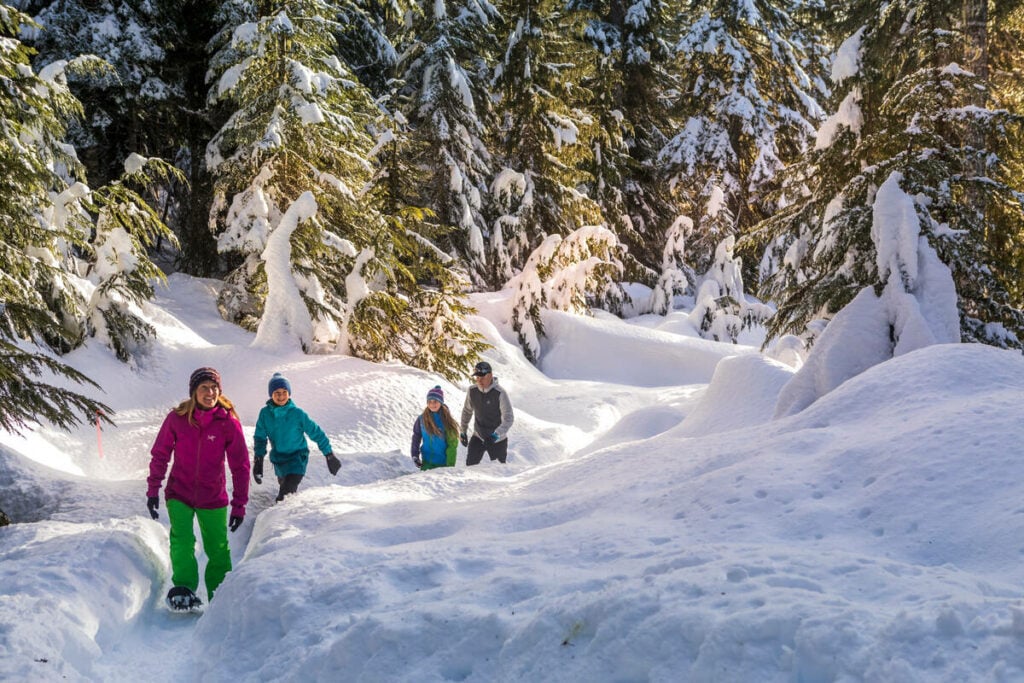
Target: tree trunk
975 58
975 18
199 122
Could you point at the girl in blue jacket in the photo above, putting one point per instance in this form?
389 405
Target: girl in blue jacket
435 434
287 426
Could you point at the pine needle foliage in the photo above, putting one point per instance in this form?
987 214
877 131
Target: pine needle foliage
129 103
33 115
909 108
415 313
748 103
444 70
543 121
127 228
27 399
299 124
630 76
407 319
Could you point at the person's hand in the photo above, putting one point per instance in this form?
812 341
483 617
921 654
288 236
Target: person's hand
152 502
493 438
463 439
257 470
333 464
235 522
417 461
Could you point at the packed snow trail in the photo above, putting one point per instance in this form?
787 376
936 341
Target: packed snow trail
365 409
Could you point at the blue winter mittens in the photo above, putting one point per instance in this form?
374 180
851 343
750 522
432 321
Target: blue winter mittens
463 439
493 438
257 470
152 502
333 464
235 522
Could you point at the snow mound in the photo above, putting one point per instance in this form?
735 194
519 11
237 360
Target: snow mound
604 349
742 394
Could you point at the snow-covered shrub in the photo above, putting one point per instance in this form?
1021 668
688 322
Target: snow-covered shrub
722 309
575 273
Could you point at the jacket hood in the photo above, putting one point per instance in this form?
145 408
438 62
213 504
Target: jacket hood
494 384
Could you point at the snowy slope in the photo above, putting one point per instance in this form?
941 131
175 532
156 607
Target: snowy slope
664 530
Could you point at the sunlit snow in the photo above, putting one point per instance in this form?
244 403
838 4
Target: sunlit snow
654 523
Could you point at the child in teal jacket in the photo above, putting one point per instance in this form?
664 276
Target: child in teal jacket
286 426
435 434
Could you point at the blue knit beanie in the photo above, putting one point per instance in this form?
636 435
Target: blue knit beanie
278 381
436 394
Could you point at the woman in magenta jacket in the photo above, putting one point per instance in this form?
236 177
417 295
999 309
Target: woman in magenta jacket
195 439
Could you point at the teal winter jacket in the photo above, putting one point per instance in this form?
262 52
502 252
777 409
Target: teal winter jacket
287 427
437 451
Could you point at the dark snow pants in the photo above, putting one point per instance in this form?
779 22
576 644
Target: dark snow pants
289 485
498 450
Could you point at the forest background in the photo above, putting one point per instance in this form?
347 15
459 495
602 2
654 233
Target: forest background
351 170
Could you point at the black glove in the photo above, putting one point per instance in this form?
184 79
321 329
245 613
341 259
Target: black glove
333 464
235 522
416 461
257 470
152 502
463 439
493 438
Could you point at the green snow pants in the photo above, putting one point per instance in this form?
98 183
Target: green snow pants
213 527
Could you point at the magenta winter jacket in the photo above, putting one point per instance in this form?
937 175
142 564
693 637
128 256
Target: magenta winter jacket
197 476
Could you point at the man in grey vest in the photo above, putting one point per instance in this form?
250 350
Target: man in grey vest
489 406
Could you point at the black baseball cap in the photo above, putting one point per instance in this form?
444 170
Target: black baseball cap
482 368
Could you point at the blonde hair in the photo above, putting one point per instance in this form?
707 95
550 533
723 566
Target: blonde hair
446 418
190 405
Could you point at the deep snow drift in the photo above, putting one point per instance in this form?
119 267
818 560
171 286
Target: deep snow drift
654 522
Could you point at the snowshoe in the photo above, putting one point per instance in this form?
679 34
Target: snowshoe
182 599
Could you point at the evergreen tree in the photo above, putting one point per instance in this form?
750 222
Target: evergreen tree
189 27
126 229
366 40
150 100
721 309
409 320
907 112
444 97
676 276
541 125
34 288
128 108
629 84
298 125
417 316
748 103
319 263
1006 69
101 244
575 273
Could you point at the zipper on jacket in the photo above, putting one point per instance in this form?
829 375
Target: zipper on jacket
195 478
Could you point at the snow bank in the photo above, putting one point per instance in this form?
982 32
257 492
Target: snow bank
742 394
819 548
70 591
601 349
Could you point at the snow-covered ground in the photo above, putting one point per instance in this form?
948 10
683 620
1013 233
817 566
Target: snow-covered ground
654 523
